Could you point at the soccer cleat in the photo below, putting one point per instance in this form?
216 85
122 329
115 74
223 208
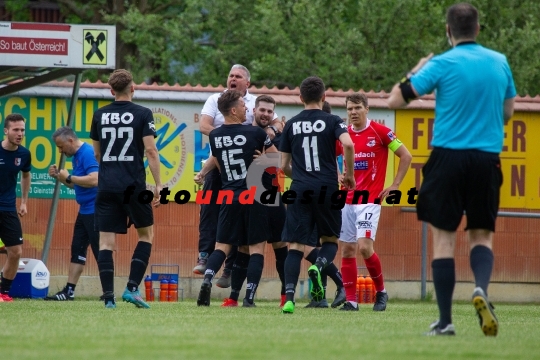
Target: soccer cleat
246 303
204 294
435 330
229 303
349 307
380 301
110 304
225 279
200 268
5 298
2 248
60 296
288 308
317 304
340 298
135 298
484 310
317 290
283 299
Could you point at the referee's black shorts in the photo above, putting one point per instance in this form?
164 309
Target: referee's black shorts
456 181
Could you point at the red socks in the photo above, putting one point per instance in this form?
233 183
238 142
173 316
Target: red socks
373 265
349 272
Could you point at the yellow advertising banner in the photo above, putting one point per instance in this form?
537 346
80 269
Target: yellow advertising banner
519 158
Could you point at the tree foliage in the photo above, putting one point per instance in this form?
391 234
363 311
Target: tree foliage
348 43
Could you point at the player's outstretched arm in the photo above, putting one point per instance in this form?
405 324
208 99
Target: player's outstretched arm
208 166
153 163
405 159
206 124
25 189
348 152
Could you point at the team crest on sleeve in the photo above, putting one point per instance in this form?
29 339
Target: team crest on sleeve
152 126
391 135
343 125
17 161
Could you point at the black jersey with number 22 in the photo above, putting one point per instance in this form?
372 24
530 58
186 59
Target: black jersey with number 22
120 128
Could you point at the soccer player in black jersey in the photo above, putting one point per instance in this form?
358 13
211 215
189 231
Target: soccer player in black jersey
308 149
13 158
122 132
240 222
311 252
263 115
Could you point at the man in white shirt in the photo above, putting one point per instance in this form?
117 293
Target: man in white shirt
211 118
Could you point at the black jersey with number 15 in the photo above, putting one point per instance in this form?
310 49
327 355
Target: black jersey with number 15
120 127
234 146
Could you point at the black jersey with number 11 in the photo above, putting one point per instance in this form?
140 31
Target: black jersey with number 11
234 146
310 137
120 127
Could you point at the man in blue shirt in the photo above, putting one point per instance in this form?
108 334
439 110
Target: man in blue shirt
84 180
13 158
474 98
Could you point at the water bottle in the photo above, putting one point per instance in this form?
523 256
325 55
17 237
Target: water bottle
164 290
148 288
361 289
173 291
369 288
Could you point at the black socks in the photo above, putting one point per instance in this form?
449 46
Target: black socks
292 272
139 263
444 280
482 265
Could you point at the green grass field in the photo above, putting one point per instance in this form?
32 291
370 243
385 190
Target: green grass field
84 329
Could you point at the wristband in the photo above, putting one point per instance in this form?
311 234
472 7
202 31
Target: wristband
68 180
406 90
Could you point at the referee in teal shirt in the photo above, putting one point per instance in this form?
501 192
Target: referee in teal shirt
474 97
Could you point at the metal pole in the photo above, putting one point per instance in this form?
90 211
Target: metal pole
56 194
423 278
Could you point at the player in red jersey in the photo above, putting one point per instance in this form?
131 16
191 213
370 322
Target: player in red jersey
361 213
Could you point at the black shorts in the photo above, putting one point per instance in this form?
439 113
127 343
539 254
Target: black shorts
112 215
209 213
84 234
303 219
240 224
456 181
276 218
10 228
314 239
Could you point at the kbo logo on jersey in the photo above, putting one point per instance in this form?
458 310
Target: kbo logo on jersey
305 127
226 141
